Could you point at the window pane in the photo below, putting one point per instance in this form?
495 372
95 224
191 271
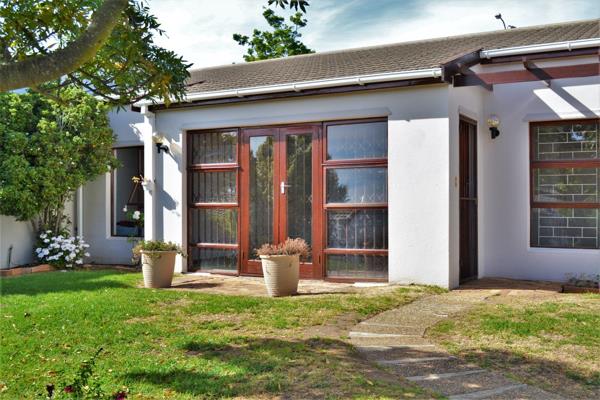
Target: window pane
214 187
357 185
299 192
566 142
212 225
578 185
355 141
214 259
261 192
565 227
214 147
357 229
128 196
357 266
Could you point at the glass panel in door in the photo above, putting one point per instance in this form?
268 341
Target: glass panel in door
261 168
298 189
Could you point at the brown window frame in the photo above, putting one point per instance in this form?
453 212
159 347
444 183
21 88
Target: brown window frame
545 164
140 148
349 163
213 167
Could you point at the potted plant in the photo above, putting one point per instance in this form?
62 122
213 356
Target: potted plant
281 265
158 261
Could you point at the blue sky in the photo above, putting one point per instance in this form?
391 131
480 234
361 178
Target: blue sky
201 30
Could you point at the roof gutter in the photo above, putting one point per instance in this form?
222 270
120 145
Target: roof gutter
541 48
315 84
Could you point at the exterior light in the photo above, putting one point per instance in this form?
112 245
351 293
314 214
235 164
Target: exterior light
161 143
494 122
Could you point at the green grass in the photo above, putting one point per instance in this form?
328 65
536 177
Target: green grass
553 344
180 344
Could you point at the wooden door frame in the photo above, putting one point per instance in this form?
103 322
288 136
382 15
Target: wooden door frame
280 132
474 124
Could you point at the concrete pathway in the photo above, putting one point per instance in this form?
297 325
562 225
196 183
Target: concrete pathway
395 340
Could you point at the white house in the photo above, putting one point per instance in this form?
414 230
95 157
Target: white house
432 162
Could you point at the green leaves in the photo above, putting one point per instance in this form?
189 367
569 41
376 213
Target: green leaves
302 4
48 150
282 41
127 68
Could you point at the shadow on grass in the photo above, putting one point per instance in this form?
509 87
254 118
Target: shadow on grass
63 281
309 368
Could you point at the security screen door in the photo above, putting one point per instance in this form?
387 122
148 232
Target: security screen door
280 192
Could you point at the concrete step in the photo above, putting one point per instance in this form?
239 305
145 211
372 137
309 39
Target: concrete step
426 367
466 384
388 341
361 334
524 392
374 327
395 353
447 375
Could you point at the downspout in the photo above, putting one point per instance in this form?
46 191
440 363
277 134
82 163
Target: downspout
148 184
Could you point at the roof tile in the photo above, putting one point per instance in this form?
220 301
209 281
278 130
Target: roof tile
395 57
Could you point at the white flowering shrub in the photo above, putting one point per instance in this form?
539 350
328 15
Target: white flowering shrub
61 251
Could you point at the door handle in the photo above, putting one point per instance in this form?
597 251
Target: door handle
282 186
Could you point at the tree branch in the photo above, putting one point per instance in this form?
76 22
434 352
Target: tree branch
43 68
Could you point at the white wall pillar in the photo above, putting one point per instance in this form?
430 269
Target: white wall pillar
418 214
147 129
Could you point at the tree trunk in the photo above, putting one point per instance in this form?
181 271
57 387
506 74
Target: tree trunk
38 69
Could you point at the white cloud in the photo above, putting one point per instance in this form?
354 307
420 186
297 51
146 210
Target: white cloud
201 30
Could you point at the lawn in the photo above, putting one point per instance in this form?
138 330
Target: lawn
181 344
551 343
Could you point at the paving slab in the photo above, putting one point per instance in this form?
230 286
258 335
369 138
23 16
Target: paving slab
389 341
435 366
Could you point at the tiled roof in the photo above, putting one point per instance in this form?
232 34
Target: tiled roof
395 57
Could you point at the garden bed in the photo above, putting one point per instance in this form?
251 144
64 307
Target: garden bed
17 271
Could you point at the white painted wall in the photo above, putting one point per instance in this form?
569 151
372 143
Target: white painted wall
19 236
418 166
105 249
504 179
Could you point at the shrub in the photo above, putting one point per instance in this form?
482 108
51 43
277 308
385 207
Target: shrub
49 148
154 245
61 251
291 247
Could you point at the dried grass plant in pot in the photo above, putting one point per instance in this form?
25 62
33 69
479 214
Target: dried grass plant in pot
158 262
281 266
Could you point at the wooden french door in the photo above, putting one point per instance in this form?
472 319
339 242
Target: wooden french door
468 199
280 193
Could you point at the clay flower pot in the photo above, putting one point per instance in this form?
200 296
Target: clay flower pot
158 268
281 273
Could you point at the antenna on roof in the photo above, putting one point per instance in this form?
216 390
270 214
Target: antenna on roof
499 16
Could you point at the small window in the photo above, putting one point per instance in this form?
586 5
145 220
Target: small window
357 141
565 174
127 193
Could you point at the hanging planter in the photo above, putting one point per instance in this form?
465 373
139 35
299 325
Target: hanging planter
281 266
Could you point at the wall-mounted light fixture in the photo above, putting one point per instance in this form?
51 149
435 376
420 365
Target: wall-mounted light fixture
494 122
161 143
